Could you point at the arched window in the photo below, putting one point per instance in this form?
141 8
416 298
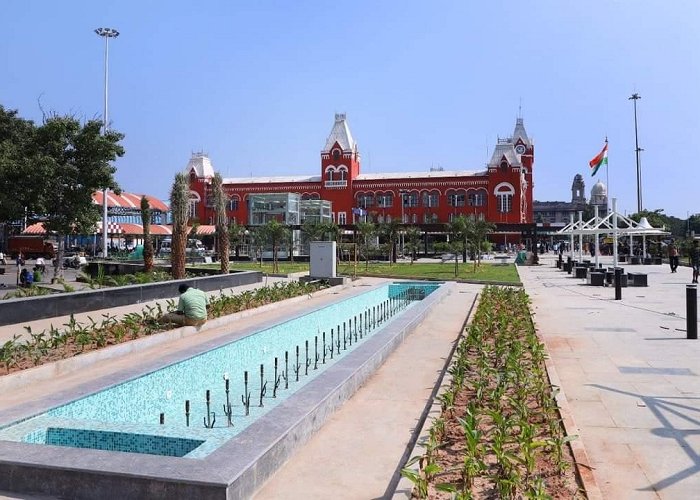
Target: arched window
504 197
414 219
476 198
455 198
430 198
336 154
365 200
385 200
233 202
342 174
195 199
329 173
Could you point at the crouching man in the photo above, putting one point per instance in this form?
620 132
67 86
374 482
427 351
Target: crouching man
191 308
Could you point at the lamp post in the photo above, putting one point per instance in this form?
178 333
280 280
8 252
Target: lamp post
106 33
635 97
403 204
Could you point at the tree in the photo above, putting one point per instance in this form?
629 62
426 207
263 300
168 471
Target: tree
236 234
367 230
147 240
73 161
457 233
275 233
390 231
222 238
478 230
20 183
413 237
179 206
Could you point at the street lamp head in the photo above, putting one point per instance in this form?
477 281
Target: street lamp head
107 32
634 96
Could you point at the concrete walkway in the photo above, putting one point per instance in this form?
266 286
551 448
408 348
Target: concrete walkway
356 453
629 374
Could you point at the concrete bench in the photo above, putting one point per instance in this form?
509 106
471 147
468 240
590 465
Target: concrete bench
637 279
501 261
581 272
596 278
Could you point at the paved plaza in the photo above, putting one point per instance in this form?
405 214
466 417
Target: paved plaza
630 376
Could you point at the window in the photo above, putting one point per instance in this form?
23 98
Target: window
342 218
504 166
430 199
342 174
410 199
455 199
336 154
477 198
414 219
385 200
504 196
435 219
365 200
329 174
233 203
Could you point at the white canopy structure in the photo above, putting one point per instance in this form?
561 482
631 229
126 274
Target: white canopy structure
615 224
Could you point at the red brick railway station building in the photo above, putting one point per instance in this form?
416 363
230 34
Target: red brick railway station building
500 193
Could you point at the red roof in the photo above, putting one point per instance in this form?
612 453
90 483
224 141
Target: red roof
128 200
137 229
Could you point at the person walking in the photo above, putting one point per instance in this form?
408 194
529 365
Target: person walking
191 308
695 260
673 256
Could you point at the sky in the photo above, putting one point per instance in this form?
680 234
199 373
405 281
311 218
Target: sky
256 84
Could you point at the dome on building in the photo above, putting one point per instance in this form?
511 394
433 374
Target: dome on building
201 164
599 189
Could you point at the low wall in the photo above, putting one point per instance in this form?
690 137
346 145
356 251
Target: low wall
50 306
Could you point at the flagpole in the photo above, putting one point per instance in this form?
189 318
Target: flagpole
607 181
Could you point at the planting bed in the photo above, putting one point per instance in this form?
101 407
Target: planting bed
75 338
499 434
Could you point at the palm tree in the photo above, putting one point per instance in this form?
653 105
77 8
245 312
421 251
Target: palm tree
390 231
274 234
147 241
479 230
413 235
457 232
179 205
236 234
331 230
367 230
222 238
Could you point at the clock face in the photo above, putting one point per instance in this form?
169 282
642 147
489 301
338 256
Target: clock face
520 149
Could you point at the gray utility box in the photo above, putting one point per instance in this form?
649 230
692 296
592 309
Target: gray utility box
322 256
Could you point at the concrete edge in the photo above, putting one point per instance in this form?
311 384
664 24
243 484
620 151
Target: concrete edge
401 488
17 380
469 282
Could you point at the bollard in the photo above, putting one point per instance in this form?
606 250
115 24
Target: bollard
559 262
569 265
691 311
618 283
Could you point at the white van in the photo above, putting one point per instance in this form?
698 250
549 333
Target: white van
194 247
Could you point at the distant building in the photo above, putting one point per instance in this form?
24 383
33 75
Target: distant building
500 193
557 214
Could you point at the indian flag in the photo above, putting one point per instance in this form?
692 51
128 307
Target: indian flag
600 159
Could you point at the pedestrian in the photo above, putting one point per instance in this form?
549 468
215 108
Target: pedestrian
695 260
673 256
191 308
3 261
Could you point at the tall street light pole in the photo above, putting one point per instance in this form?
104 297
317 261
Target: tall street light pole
635 97
106 33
